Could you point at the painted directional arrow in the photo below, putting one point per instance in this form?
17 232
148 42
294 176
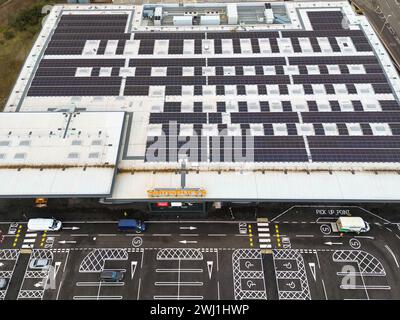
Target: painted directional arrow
210 267
56 268
38 284
312 268
188 228
66 241
71 228
133 268
1 264
187 241
332 243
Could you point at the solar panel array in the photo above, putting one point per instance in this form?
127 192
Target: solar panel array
256 64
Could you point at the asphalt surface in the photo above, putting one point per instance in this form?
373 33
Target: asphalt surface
290 255
384 15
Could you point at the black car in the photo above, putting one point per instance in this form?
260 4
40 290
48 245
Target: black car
111 276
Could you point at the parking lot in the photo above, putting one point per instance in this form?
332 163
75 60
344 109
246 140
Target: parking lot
292 255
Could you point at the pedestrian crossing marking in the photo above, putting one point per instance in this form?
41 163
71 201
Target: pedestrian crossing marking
264 237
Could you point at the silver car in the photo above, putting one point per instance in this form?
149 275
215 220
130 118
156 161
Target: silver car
39 263
3 283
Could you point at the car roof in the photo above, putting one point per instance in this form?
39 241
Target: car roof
40 223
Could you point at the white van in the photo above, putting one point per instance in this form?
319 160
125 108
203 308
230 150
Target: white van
352 224
44 225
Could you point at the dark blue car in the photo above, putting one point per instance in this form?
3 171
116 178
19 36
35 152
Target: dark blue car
131 225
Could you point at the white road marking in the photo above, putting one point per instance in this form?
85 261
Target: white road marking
179 283
97 297
138 291
210 267
313 271
281 214
31 235
100 283
27 246
187 241
133 268
363 287
178 297
323 286
179 270
59 289
188 228
263 229
29 240
262 224
264 240
393 255
179 276
265 246
264 235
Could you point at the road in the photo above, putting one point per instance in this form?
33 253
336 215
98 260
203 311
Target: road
384 15
290 255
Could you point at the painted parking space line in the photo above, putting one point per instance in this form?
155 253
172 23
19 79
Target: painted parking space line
179 270
180 283
178 297
103 284
97 297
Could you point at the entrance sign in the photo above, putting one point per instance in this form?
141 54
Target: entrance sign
176 193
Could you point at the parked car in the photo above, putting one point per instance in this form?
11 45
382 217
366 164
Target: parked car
352 224
40 224
111 276
3 283
131 225
39 263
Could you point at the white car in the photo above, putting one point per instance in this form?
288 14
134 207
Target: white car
39 264
40 224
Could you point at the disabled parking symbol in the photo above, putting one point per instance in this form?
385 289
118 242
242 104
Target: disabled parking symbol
250 284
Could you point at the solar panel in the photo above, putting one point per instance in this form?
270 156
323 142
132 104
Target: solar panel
241 94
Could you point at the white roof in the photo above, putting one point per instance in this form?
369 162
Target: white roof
55 154
355 222
270 186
